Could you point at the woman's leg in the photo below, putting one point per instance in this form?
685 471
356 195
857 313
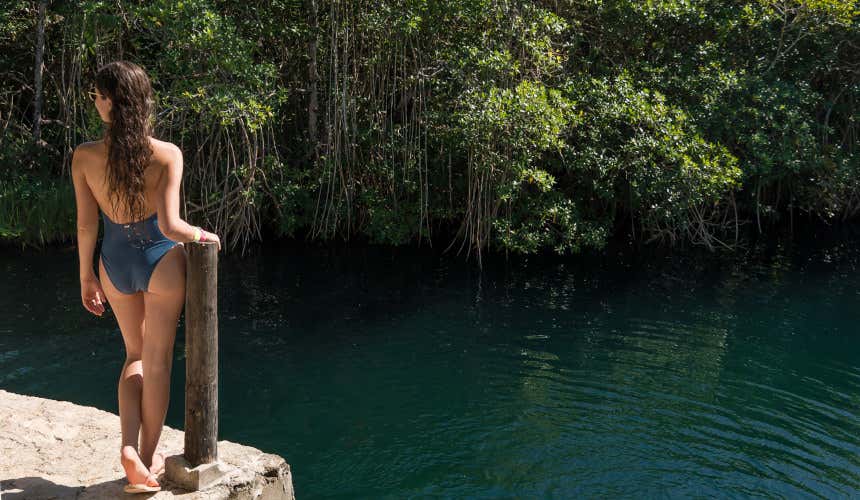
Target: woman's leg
163 304
129 312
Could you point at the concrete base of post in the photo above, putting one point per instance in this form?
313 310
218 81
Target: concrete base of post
202 477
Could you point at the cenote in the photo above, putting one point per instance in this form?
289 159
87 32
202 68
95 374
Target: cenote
392 373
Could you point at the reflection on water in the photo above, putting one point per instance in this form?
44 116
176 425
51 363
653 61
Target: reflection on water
394 373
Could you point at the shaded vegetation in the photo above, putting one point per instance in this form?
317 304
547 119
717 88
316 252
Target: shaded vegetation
467 124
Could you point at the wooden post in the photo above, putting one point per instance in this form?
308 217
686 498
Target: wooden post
201 354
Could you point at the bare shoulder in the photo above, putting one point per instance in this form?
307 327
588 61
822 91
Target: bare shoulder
164 148
164 153
86 154
90 148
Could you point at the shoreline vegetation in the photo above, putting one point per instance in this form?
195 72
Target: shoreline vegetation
511 127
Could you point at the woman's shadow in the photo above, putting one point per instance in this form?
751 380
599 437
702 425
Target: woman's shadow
39 488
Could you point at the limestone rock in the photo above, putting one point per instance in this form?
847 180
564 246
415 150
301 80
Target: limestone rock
59 450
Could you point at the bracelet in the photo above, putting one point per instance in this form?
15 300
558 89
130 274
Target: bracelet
203 236
198 233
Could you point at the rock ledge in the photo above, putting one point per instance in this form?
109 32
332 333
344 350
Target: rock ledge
53 449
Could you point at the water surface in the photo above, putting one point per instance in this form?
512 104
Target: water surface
381 373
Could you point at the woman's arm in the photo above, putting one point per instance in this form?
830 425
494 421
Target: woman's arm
92 295
87 218
167 200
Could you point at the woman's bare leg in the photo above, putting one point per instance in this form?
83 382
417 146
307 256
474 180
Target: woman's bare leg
163 304
129 312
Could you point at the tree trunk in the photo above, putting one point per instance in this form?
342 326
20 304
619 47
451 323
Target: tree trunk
37 98
313 101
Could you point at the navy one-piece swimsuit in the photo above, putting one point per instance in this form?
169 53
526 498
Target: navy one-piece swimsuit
131 251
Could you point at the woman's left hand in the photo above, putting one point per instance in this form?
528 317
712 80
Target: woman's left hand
93 296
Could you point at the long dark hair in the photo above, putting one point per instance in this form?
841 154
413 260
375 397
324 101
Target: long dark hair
127 135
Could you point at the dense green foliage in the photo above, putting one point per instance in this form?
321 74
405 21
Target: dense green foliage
519 126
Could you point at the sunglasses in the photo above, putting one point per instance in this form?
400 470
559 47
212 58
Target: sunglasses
92 93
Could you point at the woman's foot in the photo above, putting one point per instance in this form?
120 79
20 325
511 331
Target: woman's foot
135 470
157 466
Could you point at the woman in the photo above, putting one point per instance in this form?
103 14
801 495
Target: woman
134 180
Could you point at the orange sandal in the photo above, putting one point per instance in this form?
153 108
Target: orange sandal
142 487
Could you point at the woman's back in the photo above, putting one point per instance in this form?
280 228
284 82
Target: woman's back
96 175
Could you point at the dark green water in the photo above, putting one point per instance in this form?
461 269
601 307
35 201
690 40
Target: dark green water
397 374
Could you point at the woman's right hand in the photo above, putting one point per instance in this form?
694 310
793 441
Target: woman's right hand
207 236
92 295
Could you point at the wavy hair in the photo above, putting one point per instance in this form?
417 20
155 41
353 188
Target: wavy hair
127 135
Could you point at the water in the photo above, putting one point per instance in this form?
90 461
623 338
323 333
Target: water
394 374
